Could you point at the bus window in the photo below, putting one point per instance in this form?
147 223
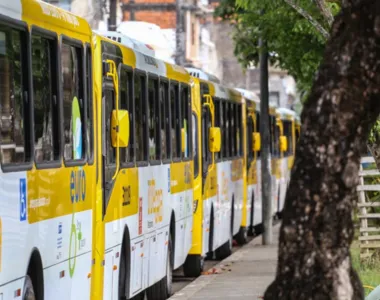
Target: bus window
140 119
14 113
45 91
206 124
153 120
175 121
185 115
289 136
126 103
109 103
232 132
257 129
222 121
90 113
165 121
73 102
195 144
239 131
227 130
249 137
217 104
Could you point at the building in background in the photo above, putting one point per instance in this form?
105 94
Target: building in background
185 32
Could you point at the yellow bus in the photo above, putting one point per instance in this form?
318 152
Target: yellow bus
286 122
116 168
48 166
218 187
96 162
147 183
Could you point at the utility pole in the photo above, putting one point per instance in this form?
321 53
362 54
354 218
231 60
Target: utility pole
265 134
113 13
179 34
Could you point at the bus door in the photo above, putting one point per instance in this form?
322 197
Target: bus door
115 135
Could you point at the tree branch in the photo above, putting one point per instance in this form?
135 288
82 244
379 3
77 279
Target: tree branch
308 17
326 13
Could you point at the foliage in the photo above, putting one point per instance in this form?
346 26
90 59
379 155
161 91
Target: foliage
374 135
293 42
368 270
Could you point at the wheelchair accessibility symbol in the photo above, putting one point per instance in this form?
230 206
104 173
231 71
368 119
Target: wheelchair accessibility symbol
22 199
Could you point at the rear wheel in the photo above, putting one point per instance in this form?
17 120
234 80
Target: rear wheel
28 289
242 236
225 250
123 274
193 266
163 289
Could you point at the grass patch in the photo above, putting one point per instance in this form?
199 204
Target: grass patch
368 270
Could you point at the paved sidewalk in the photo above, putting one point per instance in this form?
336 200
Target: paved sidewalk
244 275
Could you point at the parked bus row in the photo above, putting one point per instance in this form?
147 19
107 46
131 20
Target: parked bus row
118 168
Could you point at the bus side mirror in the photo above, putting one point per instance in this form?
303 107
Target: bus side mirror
183 140
283 143
256 141
214 139
120 128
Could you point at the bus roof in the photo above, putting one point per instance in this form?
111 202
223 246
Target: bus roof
143 61
45 15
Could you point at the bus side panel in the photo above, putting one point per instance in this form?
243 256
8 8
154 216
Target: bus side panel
181 182
258 198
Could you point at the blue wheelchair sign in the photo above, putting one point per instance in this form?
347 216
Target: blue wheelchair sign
23 199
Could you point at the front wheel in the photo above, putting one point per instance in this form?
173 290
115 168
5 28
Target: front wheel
193 266
28 289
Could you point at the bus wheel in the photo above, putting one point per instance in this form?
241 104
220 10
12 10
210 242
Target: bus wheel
242 236
28 289
224 251
163 289
193 266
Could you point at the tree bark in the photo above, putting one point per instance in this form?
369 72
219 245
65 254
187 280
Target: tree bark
314 259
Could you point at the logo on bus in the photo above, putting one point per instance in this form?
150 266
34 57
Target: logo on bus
78 185
155 201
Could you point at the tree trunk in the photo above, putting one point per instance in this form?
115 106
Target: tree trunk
317 230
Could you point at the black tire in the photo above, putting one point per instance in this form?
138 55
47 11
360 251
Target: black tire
28 289
163 289
224 251
242 236
193 266
123 274
138 296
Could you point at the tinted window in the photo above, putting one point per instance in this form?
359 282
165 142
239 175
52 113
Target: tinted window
46 133
14 112
164 120
126 103
141 115
90 112
185 115
73 102
153 120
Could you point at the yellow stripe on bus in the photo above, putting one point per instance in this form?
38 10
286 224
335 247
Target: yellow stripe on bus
125 196
58 192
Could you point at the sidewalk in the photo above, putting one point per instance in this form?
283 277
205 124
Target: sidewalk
244 275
